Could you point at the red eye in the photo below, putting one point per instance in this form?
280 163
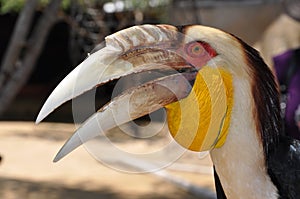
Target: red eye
198 53
199 49
195 49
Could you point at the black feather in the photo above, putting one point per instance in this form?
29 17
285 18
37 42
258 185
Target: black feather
284 167
218 186
282 154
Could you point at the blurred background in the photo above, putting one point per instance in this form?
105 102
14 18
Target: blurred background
41 41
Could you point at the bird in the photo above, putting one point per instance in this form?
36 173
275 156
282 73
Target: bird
219 96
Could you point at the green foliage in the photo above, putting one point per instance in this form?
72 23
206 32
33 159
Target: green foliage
11 5
16 5
155 8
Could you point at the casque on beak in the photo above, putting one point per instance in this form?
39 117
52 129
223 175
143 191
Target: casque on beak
128 52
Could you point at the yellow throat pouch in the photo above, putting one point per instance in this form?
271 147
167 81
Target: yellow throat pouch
200 122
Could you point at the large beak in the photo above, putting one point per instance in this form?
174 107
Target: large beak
128 52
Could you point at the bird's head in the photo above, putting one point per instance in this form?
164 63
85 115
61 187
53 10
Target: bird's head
198 65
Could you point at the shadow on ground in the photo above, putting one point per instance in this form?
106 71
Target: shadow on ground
13 188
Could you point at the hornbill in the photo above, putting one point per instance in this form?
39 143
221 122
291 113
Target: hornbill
218 93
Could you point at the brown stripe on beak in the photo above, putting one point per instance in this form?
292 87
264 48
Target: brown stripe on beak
132 104
126 52
132 51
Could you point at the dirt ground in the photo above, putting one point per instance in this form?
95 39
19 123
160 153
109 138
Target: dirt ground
27 171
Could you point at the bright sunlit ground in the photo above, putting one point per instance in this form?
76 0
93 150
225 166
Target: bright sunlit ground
27 171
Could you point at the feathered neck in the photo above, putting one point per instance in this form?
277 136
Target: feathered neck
266 99
255 128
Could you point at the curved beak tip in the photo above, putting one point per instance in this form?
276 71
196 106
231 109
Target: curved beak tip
40 116
73 142
87 76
